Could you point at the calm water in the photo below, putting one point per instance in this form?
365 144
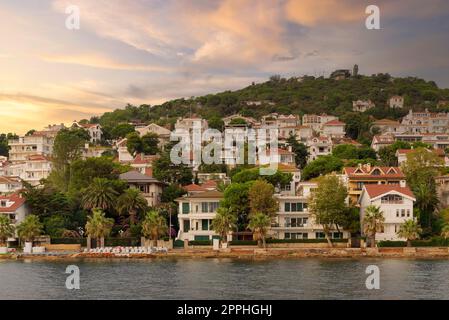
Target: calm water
227 279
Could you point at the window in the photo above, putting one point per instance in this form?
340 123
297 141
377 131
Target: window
186 226
289 235
408 212
397 213
293 207
185 207
392 199
205 224
209 207
403 213
320 235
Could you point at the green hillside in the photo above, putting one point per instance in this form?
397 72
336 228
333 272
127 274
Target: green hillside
297 96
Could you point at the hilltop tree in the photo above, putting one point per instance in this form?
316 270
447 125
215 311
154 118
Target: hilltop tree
322 166
300 151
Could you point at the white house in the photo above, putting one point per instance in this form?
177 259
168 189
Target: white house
362 106
319 146
14 207
32 170
123 153
162 133
334 129
196 212
37 143
9 184
94 130
396 203
396 102
150 187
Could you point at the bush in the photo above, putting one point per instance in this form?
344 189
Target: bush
391 244
243 243
178 244
200 243
122 242
304 240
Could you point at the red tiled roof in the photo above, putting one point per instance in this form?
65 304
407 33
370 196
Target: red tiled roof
209 184
17 203
335 123
194 188
5 179
37 157
149 172
375 190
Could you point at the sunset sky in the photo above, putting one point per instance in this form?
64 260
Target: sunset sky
149 51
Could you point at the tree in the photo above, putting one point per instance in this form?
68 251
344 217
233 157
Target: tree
99 195
66 149
154 226
445 231
421 169
6 229
121 130
98 226
373 222
224 222
134 143
236 198
278 179
150 143
300 151
409 230
259 224
165 170
216 123
322 166
30 228
261 198
328 210
130 203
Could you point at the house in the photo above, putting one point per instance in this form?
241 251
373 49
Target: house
396 102
316 122
334 128
281 156
396 203
14 207
340 74
303 133
162 133
280 120
32 170
10 184
150 187
194 189
189 124
93 151
425 122
123 154
362 105
217 176
319 146
386 126
293 219
381 141
94 130
357 177
144 163
249 120
23 147
401 154
296 178
196 212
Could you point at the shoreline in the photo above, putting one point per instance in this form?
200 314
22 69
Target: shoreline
250 254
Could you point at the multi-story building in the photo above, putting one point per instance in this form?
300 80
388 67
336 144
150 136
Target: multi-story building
401 154
32 170
395 202
396 102
425 122
9 184
357 177
162 133
280 120
294 221
196 212
334 129
319 146
362 105
381 141
94 130
37 143
150 187
387 126
316 122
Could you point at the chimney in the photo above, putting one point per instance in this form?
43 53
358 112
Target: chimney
368 167
402 183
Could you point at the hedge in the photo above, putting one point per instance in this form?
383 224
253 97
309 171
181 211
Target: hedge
304 240
254 243
108 242
433 242
81 241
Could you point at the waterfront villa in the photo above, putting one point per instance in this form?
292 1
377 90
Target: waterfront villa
9 184
150 187
196 212
14 207
396 203
293 220
357 177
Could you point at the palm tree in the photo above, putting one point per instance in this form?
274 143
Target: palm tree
6 229
30 228
224 222
373 223
445 231
99 195
154 226
259 224
426 202
409 230
130 202
98 226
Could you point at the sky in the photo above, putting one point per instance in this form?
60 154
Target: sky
151 51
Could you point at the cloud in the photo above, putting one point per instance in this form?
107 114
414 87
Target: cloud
96 60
